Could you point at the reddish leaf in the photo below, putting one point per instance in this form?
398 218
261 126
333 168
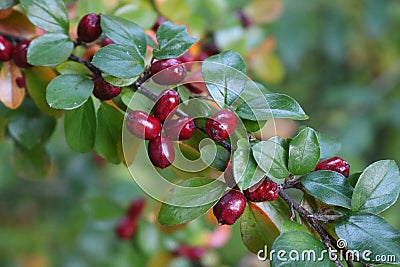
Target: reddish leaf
10 94
17 24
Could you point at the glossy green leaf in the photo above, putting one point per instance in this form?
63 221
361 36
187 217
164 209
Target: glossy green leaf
108 133
124 32
121 82
173 41
225 77
278 106
172 215
304 152
329 146
49 15
253 126
216 155
49 49
33 163
257 229
80 127
377 188
278 211
28 126
371 235
119 60
69 91
329 187
271 158
299 249
245 168
37 80
7 3
289 225
72 67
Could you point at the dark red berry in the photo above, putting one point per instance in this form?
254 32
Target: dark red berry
161 152
166 103
168 71
180 129
335 164
186 57
106 41
230 207
21 82
244 19
136 208
126 228
160 20
89 28
190 252
143 125
265 190
196 83
221 125
104 90
6 49
19 54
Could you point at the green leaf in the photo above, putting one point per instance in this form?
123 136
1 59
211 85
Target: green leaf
289 225
108 133
257 229
329 146
245 168
215 155
7 3
377 188
33 163
28 126
304 152
49 15
271 106
72 67
140 12
119 60
69 91
121 82
148 238
172 215
37 80
124 32
367 232
271 158
299 249
330 187
173 41
225 77
80 127
49 49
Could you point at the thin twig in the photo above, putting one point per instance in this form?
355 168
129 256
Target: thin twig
89 65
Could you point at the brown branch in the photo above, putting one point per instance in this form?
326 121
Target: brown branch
89 65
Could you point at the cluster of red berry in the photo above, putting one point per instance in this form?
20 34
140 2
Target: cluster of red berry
231 205
127 225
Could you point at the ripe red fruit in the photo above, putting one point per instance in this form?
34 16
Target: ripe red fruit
230 207
166 103
265 190
160 20
136 208
21 82
161 152
143 125
19 54
186 57
104 90
221 125
106 41
6 49
335 164
89 28
125 228
192 253
168 71
180 129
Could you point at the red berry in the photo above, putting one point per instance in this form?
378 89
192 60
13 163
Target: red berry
265 190
21 82
143 125
230 207
160 20
186 57
192 253
89 28
168 71
221 125
196 83
244 19
6 49
161 152
166 103
126 228
180 129
104 90
335 164
106 41
136 208
19 54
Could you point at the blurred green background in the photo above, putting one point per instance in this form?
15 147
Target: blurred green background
339 59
